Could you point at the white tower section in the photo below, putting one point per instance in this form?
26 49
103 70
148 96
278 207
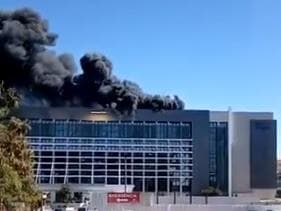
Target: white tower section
230 137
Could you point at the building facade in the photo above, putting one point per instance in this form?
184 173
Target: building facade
251 152
158 152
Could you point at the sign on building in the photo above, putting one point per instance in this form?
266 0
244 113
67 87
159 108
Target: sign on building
123 197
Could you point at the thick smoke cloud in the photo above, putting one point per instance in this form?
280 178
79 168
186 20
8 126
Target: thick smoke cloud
43 77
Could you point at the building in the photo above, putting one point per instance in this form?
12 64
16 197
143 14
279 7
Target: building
251 152
158 152
279 174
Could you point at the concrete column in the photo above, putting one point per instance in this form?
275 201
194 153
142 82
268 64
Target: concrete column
230 137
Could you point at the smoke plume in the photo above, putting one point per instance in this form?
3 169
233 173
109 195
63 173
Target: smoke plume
42 77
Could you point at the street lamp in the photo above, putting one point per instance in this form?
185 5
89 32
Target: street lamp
190 191
175 183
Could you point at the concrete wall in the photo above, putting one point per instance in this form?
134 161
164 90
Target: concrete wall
268 193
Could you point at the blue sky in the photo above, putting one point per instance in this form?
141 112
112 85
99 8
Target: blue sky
213 54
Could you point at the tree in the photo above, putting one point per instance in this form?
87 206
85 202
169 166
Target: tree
16 176
278 193
64 195
211 191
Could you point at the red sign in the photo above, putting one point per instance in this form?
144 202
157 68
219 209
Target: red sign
123 197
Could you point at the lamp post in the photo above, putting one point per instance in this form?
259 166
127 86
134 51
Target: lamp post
190 191
175 183
157 197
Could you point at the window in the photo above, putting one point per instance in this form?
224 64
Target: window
186 130
74 180
47 153
218 155
73 154
112 181
60 153
76 173
99 180
44 180
59 180
35 128
86 180
47 128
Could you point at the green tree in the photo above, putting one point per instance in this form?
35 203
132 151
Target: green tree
16 176
278 193
211 191
64 195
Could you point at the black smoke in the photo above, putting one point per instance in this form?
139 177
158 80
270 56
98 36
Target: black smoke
42 77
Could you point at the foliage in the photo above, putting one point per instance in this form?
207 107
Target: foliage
278 193
16 178
77 197
8 100
64 195
211 191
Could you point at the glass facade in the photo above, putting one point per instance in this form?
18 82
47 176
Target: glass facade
218 155
153 156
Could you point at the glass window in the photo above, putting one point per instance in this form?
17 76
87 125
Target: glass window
74 180
44 180
73 128
86 129
60 140
45 166
46 159
162 185
162 130
35 128
186 130
47 128
59 180
113 129
76 173
73 154
218 155
99 180
138 184
87 173
86 180
112 181
47 153
149 184
74 141
60 160
60 153
138 173
86 166
45 173
86 160
64 147
60 166
99 173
